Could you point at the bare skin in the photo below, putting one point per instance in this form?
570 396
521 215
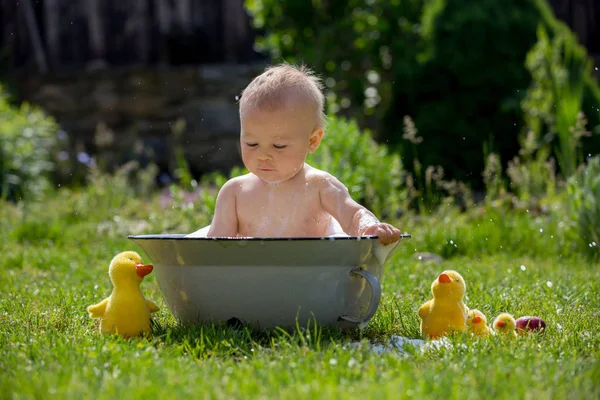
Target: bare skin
282 196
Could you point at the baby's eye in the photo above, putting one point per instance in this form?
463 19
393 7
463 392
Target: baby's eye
279 146
251 144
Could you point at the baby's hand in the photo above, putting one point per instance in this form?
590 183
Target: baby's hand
386 232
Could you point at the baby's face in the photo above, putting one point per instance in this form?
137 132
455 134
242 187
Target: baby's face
275 143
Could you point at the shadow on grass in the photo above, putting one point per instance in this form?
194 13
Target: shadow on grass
236 339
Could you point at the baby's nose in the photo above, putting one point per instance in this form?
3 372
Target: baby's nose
262 156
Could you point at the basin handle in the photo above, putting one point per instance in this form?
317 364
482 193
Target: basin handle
375 298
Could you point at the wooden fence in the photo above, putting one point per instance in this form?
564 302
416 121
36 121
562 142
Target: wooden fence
583 16
71 34
47 35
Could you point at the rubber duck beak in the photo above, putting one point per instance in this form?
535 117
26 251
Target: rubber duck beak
143 269
443 278
477 320
501 324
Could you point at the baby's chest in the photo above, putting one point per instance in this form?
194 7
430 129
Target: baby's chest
299 209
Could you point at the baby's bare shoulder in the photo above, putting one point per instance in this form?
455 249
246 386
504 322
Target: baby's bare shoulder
239 180
322 179
233 185
318 176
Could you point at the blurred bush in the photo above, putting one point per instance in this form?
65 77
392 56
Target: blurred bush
471 79
584 202
359 46
27 139
456 66
560 90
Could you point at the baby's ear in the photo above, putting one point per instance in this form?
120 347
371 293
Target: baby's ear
315 139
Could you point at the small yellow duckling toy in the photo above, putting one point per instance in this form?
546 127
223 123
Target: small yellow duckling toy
125 311
446 312
477 323
505 324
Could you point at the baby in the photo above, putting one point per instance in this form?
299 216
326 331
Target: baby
282 120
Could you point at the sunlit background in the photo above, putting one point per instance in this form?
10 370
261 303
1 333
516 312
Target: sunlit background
443 83
473 125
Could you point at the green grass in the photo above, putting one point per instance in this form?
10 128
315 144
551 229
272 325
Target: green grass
54 260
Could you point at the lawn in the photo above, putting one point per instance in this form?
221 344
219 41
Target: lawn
55 255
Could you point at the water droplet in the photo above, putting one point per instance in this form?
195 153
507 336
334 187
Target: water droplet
523 268
549 284
541 230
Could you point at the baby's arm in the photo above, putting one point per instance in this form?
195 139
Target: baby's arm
225 222
355 219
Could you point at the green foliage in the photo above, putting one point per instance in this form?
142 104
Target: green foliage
182 170
471 80
374 175
554 102
27 137
455 66
584 203
358 45
532 174
492 178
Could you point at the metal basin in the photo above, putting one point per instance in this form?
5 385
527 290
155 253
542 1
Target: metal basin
330 281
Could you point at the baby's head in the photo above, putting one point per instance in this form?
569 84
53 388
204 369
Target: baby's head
282 120
284 86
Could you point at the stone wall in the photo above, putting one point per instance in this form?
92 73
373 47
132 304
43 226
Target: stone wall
129 111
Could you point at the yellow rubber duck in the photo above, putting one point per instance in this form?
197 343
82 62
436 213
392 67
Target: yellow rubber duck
446 312
477 323
125 311
505 324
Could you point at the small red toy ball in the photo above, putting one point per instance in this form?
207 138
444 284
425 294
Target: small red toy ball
529 323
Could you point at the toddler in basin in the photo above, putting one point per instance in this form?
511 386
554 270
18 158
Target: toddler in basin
282 120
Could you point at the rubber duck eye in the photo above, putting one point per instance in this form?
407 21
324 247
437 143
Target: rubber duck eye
456 280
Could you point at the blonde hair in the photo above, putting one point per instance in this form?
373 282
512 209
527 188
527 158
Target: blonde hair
270 90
